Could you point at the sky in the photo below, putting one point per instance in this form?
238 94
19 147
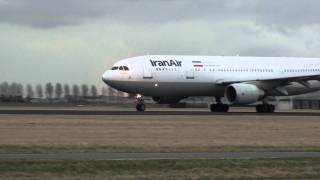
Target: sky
74 41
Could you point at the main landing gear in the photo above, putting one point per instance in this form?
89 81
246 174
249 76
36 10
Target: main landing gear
265 108
140 103
219 107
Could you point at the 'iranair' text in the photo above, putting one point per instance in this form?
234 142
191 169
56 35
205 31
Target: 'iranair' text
166 63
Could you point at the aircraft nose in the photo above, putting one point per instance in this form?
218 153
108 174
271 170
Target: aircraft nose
107 76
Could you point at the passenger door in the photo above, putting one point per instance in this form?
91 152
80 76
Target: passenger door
147 72
189 71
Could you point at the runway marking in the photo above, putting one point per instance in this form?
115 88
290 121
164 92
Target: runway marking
148 113
156 156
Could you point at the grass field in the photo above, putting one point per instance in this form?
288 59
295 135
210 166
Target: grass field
168 169
57 133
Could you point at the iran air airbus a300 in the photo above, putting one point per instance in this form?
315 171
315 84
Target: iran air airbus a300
241 80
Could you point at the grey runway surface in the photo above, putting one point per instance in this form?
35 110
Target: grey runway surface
150 156
164 112
155 156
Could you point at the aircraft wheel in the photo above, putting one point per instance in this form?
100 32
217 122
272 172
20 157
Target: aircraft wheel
212 107
272 108
265 108
225 108
219 108
141 107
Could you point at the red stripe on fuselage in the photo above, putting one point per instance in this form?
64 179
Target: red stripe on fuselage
197 65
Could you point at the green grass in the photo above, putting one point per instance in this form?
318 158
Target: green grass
298 168
109 148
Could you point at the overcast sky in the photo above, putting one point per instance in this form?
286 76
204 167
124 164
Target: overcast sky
74 41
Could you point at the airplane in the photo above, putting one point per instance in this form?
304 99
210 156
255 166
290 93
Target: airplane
240 80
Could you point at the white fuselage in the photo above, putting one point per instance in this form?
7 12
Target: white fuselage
184 76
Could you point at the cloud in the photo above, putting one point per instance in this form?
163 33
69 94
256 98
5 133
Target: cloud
55 13
75 41
79 54
292 13
46 13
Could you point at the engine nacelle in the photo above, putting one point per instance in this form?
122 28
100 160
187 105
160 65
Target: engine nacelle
167 100
242 93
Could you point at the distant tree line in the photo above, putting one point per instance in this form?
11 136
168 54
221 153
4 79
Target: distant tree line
16 92
11 92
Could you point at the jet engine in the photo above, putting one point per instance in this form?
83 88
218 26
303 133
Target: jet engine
242 93
167 100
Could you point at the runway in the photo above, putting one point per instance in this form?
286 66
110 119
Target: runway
188 130
153 112
155 156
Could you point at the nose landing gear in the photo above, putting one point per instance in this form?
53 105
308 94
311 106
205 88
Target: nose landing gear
140 106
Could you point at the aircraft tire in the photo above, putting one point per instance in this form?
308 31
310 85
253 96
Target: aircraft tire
219 108
265 108
141 107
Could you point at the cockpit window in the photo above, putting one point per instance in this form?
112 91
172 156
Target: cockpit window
121 68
